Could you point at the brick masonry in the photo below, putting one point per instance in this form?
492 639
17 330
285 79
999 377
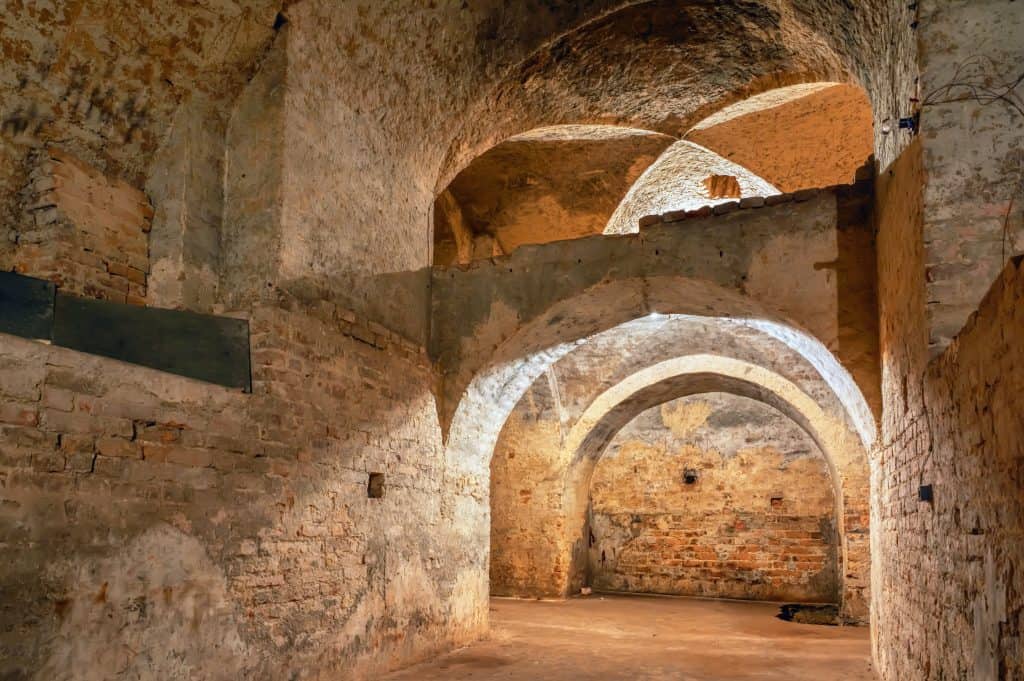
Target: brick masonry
972 155
806 256
139 509
86 232
948 588
545 453
755 521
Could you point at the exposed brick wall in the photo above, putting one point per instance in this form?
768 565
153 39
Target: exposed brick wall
542 467
86 232
187 529
949 588
188 532
757 522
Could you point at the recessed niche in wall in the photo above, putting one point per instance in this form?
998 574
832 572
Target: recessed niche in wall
375 486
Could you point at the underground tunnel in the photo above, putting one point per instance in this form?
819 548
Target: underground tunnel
511 339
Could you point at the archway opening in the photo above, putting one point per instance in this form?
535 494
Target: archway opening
560 182
569 400
547 184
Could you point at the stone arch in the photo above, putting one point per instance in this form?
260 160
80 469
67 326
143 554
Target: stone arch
547 184
795 137
683 178
510 355
565 79
845 454
482 393
781 140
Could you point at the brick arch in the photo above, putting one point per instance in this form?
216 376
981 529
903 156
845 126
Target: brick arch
499 378
845 454
480 395
565 80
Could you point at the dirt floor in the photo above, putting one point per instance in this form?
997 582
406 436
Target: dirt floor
645 638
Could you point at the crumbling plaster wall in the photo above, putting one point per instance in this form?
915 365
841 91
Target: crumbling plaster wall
249 241
144 93
784 255
362 117
947 572
564 182
973 147
948 221
546 185
373 102
756 523
659 85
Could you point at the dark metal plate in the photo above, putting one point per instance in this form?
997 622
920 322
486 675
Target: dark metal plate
26 306
205 347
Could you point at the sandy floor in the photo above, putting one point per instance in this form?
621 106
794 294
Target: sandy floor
642 638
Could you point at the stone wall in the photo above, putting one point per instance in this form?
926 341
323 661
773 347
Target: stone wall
756 522
947 570
527 492
970 52
167 528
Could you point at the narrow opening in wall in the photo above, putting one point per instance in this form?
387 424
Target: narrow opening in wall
375 486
